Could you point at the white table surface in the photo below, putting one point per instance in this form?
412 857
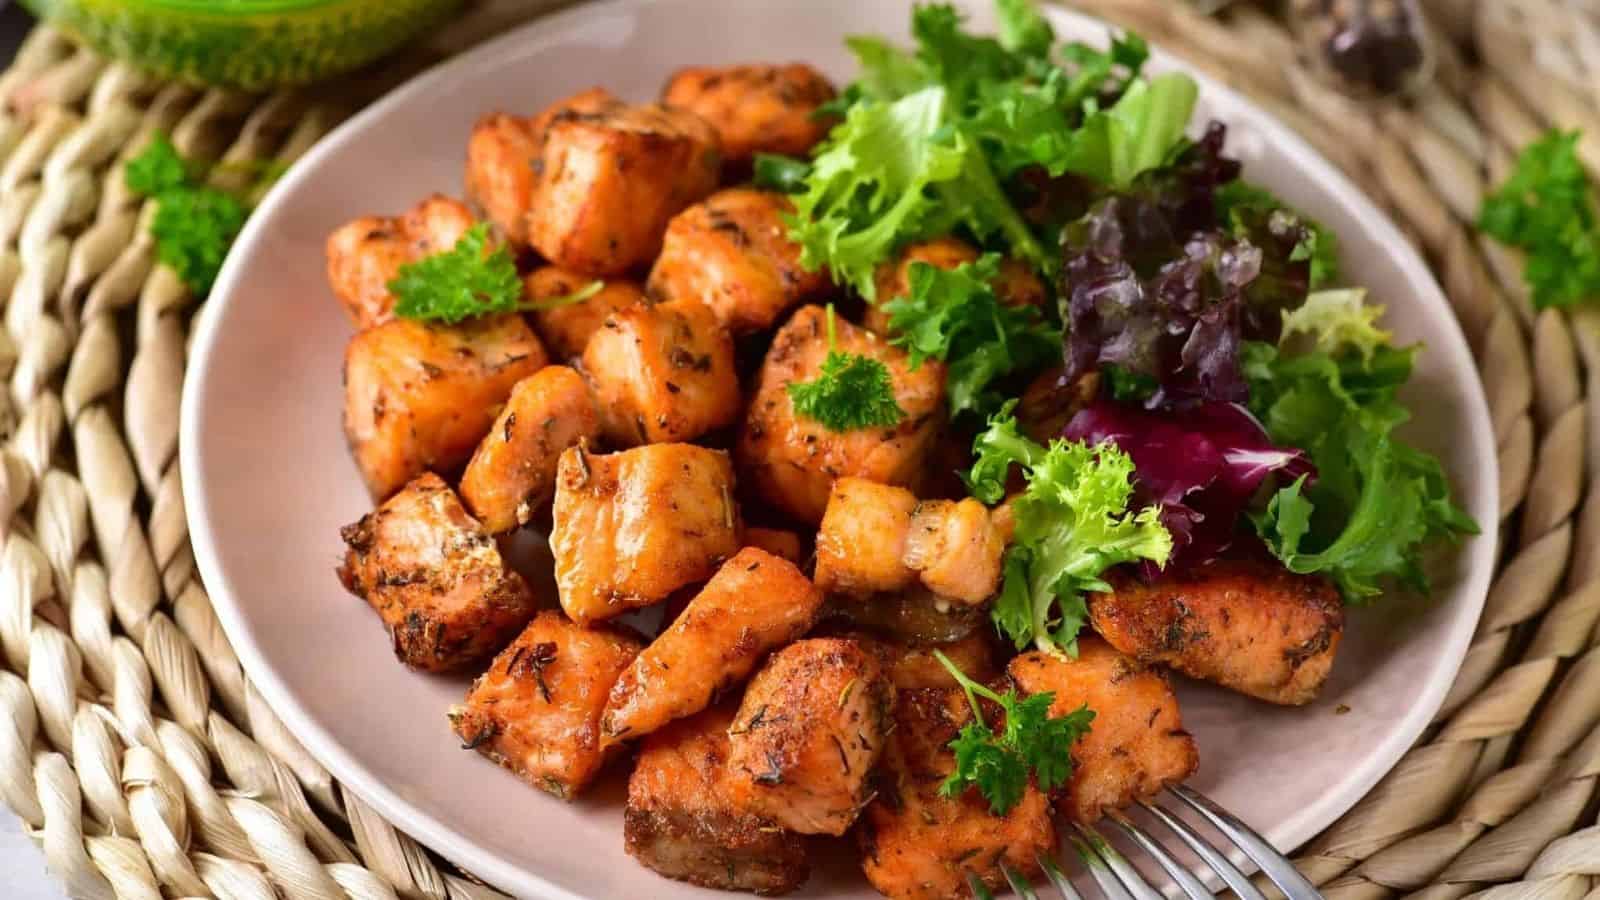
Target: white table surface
22 865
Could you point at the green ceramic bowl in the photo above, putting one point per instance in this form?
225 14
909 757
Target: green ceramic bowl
252 44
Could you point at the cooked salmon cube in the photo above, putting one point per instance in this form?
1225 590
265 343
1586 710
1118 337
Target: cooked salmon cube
435 577
683 822
537 710
630 528
1136 745
792 461
916 843
366 254
513 472
810 728
503 158
761 108
732 252
755 603
879 538
1249 625
955 549
1016 285
419 397
662 373
862 542
608 178
778 542
567 327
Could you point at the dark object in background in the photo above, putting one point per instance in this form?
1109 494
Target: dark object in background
1367 46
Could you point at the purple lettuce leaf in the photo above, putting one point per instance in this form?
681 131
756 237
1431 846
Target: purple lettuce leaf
1203 466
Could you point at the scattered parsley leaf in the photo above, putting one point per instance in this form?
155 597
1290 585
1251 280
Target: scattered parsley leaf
852 391
465 281
156 168
194 225
1546 208
1072 523
954 315
784 174
1031 741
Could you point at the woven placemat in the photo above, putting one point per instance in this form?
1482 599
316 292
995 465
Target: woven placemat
145 765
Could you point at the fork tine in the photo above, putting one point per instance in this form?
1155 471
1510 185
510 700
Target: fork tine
980 891
1058 880
1103 876
1189 884
1273 864
1230 873
1018 883
1120 869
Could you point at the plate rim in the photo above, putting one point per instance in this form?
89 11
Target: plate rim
549 29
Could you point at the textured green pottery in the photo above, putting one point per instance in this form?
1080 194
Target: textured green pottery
253 44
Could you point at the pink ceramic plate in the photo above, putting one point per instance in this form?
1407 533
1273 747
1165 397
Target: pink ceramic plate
268 480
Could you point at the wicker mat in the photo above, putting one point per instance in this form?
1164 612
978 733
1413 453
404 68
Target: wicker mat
145 764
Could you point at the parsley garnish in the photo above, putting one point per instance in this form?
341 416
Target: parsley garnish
194 225
852 391
459 283
1031 741
470 280
1546 208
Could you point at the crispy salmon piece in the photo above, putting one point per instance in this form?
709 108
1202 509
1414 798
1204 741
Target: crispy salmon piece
916 843
780 543
419 397
755 603
760 108
567 327
537 710
1017 284
878 538
683 822
733 253
503 156
366 254
435 577
513 472
809 730
792 462
956 549
662 373
861 544
1248 625
1136 745
630 528
609 177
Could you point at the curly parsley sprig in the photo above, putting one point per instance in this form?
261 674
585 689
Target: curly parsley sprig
1546 208
194 224
852 391
1031 741
469 280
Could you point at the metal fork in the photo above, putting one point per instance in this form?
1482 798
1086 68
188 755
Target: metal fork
1118 879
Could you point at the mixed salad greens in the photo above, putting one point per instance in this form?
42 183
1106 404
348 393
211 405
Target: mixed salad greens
1238 395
